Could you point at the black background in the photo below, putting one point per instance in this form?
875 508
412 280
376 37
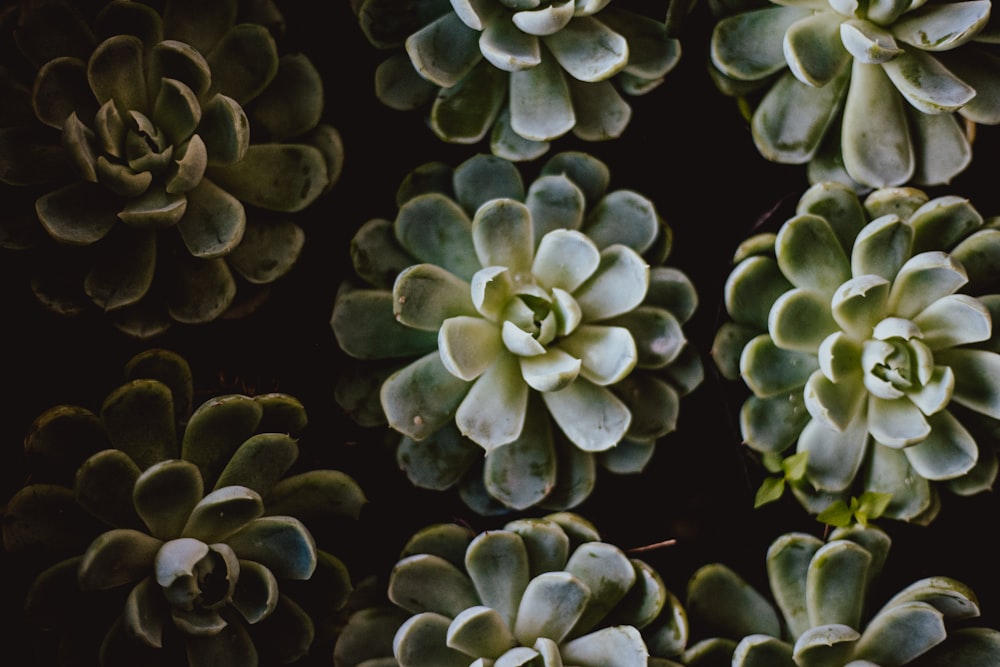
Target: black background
687 148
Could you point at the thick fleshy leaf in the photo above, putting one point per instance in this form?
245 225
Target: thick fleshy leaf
550 371
440 460
926 84
951 597
493 411
164 496
444 66
588 50
971 647
119 556
768 370
502 235
243 62
216 429
279 543
484 177
508 48
601 112
426 295
256 596
267 250
942 222
643 605
753 59
792 119
608 574
550 606
654 405
788 560
468 346
124 268
366 639
974 67
421 397
213 222
881 248
889 471
976 373
223 512
589 174
617 286
617 646
228 645
800 320
399 86
979 253
607 353
139 418
810 255
565 259
115 73
826 645
623 217
480 631
773 424
943 149
61 90
901 633
260 462
592 417
896 422
752 286
540 104
434 216
144 614
199 290
834 456
292 104
813 48
366 328
836 584
497 563
942 27
948 451
743 612
545 20
556 203
190 163
546 541
317 495
277 177
429 583
422 642
957 319
874 108
447 540
225 130
868 42
465 112
176 111
834 404
104 488
59 212
922 280
838 204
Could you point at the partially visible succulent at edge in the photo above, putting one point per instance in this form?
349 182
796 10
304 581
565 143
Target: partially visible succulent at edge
543 592
152 158
162 536
526 323
871 94
823 614
524 73
865 331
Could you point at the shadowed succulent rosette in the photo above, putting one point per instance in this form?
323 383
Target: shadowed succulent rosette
869 94
163 536
154 158
543 592
864 331
524 72
524 323
822 612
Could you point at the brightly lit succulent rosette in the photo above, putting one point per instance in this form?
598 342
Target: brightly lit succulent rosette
821 611
545 592
153 159
526 324
524 72
872 94
162 536
864 331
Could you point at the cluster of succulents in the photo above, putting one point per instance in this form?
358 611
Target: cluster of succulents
823 612
543 591
864 331
530 324
173 536
524 73
868 94
154 158
511 340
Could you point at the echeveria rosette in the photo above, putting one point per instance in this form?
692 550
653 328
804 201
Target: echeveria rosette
864 331
526 323
870 94
162 536
822 612
524 73
543 591
163 153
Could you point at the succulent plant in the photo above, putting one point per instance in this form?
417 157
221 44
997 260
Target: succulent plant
528 325
154 159
822 612
167 536
524 72
864 331
868 94
540 591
